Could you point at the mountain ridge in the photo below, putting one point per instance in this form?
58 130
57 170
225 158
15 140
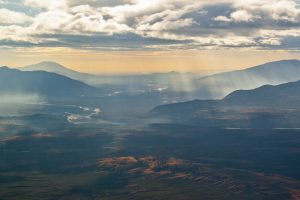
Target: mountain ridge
44 83
216 86
219 85
264 107
283 95
54 67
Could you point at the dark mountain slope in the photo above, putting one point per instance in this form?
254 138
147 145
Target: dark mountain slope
219 85
46 84
281 95
287 94
264 107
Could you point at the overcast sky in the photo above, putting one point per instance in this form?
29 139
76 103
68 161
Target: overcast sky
95 28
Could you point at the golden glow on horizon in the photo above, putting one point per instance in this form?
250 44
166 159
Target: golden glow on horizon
204 61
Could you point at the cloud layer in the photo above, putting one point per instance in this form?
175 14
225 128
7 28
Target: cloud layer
156 24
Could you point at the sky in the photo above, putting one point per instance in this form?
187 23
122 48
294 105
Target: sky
123 36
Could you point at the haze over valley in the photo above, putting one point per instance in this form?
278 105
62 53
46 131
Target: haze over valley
124 122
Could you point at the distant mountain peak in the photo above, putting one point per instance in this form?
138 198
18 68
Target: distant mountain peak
46 65
8 68
49 63
54 67
43 83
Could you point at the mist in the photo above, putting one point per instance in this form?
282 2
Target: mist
19 104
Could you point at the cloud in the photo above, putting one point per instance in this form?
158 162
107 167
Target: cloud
155 24
19 98
13 17
271 41
222 19
283 10
238 16
96 3
97 111
73 117
49 5
87 115
15 104
242 16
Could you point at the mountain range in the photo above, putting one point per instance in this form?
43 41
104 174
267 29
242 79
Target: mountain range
215 86
141 93
54 67
46 84
283 95
266 106
130 83
218 86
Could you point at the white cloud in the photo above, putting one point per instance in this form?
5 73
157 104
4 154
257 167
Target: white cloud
222 19
97 111
242 16
97 3
49 5
171 25
17 33
271 41
73 117
13 17
284 10
237 16
94 23
83 117
84 9
190 21
51 22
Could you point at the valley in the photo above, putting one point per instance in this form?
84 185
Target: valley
158 161
95 142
